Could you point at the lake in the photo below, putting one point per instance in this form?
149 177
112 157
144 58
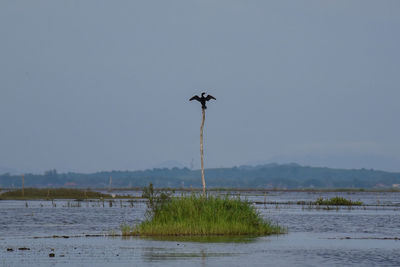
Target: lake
78 234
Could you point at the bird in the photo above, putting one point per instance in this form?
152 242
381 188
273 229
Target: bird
203 99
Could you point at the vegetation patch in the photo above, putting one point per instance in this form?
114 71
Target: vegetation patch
199 216
337 201
54 193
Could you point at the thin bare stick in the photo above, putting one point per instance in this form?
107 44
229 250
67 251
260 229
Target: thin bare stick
23 185
203 180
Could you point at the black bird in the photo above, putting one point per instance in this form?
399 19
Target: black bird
203 99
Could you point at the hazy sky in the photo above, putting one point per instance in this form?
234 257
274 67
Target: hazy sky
101 85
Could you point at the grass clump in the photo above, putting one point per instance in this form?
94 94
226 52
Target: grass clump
337 201
199 216
54 193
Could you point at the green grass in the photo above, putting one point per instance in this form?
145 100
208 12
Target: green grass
199 216
337 201
54 193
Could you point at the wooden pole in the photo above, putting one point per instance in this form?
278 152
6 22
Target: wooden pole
23 185
201 152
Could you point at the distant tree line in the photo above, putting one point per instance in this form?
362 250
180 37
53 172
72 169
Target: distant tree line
289 176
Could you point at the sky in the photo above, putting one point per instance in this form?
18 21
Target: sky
97 85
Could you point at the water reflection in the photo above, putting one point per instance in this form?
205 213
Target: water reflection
182 253
204 239
156 254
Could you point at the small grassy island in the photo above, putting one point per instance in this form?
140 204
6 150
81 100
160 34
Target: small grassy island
334 201
199 216
53 193
338 201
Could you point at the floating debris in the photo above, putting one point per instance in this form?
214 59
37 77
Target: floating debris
58 236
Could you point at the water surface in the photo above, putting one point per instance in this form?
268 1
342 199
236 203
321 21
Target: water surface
358 236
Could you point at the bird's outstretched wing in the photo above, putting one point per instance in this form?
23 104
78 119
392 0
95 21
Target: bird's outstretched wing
195 98
209 97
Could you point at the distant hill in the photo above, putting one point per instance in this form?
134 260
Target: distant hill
261 176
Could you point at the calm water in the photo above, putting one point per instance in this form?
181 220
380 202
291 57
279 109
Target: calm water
361 236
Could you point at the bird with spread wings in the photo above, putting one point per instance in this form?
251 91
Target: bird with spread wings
203 99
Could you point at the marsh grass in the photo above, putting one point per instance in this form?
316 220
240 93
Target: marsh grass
337 201
54 193
199 216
